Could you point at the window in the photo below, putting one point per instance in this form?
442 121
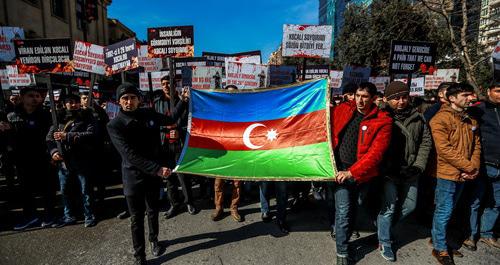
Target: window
58 8
33 2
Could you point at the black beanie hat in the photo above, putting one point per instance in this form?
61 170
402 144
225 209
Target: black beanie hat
395 89
349 88
127 88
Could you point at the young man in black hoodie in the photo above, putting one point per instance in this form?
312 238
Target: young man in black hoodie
29 124
71 145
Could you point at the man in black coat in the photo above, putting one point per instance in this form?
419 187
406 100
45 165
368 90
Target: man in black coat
29 124
135 133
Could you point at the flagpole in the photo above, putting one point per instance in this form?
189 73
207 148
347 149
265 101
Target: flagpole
54 115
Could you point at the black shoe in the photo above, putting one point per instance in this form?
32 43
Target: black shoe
156 249
332 232
283 226
171 212
123 215
266 217
191 209
27 224
64 222
342 260
140 261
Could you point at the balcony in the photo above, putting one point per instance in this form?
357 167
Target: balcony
494 3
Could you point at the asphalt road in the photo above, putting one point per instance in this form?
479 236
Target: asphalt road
198 240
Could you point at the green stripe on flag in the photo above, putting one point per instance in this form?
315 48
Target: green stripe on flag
309 162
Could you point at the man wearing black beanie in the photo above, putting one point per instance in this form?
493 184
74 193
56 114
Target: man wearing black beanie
135 133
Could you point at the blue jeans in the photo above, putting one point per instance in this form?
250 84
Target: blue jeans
343 197
400 198
65 178
447 194
281 198
486 191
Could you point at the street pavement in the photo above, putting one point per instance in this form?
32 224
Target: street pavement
198 240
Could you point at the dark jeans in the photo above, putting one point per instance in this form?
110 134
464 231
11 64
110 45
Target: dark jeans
36 179
343 198
448 193
65 178
486 192
399 200
281 197
138 204
173 182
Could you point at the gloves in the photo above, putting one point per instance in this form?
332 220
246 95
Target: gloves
411 172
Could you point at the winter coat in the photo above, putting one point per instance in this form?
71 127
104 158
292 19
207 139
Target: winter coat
373 139
457 141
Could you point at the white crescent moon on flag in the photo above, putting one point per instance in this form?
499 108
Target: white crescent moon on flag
246 136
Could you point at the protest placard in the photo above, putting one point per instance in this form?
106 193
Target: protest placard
316 71
88 57
408 56
4 79
356 75
155 80
246 75
307 41
336 82
148 63
417 86
440 76
380 82
206 77
16 79
219 59
7 35
190 61
112 109
175 41
121 56
282 74
43 55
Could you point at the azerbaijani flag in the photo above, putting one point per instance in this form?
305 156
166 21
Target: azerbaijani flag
269 134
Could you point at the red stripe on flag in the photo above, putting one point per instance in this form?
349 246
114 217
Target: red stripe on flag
296 130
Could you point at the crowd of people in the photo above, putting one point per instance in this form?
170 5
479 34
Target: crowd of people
426 155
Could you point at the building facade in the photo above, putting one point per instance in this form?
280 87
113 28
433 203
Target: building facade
58 19
489 25
331 12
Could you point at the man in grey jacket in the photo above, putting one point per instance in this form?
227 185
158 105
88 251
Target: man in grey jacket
405 161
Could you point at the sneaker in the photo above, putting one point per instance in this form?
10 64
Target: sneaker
342 260
64 222
47 223
123 215
442 257
266 217
27 224
191 209
90 222
387 253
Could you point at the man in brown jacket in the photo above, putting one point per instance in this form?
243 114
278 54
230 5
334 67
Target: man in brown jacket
456 136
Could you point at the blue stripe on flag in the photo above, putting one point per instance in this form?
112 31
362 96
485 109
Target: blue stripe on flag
259 105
